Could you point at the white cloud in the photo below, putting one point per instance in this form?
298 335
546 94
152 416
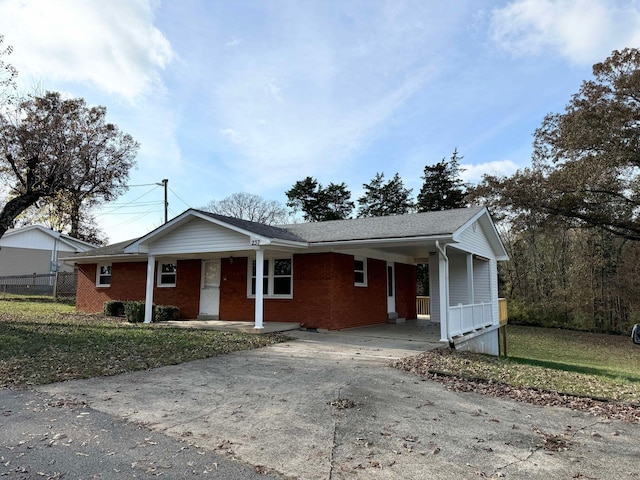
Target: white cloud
303 103
583 31
113 45
473 173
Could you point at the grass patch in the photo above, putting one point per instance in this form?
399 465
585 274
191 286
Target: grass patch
48 342
599 366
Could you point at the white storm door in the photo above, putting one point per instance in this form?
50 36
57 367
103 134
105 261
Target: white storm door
210 289
391 288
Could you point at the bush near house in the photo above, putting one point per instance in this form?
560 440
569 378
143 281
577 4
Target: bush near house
113 308
133 311
163 313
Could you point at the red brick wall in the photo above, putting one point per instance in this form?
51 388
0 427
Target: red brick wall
186 294
324 294
128 283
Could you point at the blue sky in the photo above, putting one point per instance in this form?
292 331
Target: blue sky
250 96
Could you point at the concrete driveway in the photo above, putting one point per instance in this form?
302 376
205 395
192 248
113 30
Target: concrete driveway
328 406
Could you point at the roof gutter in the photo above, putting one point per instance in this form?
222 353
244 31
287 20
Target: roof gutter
380 240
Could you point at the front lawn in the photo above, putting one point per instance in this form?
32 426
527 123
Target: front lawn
48 342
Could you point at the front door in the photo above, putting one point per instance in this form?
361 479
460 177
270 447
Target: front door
391 288
210 289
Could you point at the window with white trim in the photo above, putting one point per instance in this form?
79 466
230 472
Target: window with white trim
277 281
167 273
103 275
360 271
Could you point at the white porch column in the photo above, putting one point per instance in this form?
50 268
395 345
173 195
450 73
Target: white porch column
259 300
470 292
148 298
443 287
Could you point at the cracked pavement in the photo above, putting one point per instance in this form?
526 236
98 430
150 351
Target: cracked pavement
328 406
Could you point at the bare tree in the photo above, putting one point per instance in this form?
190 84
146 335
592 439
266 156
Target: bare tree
249 207
50 147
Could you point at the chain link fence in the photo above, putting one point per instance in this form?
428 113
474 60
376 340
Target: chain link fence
61 285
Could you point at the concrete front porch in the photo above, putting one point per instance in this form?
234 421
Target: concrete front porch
422 334
233 326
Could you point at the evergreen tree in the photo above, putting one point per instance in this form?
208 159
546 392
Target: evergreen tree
443 189
380 199
318 203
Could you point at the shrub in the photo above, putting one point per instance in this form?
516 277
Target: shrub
162 313
134 311
113 308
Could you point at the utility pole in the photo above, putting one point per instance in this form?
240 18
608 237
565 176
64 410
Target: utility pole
165 182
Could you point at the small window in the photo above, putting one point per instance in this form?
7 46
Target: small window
282 276
167 274
103 277
360 271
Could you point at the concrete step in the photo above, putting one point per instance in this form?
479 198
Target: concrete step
393 318
208 317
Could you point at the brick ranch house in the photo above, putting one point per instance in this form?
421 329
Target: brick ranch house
328 275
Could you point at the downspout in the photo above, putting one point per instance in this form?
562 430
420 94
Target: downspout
443 252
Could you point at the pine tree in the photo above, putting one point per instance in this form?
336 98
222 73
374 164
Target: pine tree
443 189
380 199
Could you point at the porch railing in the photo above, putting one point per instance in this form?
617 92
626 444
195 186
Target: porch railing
467 318
423 306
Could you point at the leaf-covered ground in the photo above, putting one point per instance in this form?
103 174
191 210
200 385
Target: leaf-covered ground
596 394
46 342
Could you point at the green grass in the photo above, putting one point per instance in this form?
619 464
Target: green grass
577 363
610 356
48 342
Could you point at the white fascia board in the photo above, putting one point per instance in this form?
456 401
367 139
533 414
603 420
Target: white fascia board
377 254
468 223
289 243
17 231
131 257
382 241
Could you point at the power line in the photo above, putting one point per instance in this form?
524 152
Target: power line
178 197
129 203
131 220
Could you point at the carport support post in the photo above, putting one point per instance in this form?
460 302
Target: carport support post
443 291
259 300
148 299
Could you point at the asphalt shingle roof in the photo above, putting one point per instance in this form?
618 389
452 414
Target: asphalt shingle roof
395 226
113 249
425 224
269 231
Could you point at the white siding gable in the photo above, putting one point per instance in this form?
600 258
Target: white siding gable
199 236
32 239
474 240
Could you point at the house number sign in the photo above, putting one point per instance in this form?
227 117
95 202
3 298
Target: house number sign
255 241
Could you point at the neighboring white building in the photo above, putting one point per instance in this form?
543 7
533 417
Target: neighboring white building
37 249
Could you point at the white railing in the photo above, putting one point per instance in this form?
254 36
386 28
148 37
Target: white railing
423 306
467 318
